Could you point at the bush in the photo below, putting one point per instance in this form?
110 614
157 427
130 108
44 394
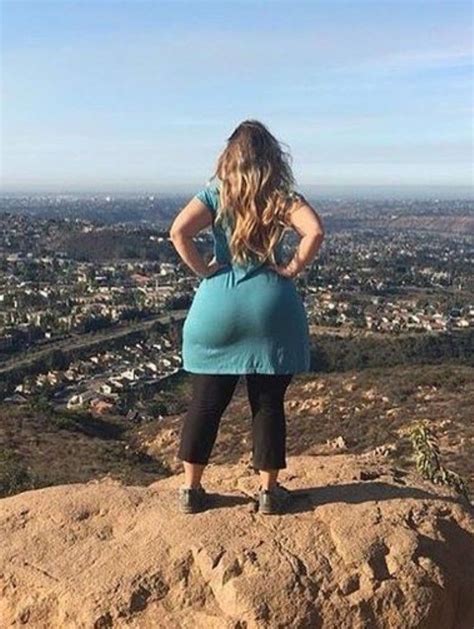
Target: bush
14 475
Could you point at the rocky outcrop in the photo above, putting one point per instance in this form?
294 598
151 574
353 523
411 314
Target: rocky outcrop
365 546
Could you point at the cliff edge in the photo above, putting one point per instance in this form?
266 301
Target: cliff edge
365 546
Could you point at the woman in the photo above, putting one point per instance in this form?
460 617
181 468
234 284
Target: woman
246 316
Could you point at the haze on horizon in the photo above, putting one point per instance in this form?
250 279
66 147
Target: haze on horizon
126 96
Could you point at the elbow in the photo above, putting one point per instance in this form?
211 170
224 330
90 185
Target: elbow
178 233
320 230
318 235
174 233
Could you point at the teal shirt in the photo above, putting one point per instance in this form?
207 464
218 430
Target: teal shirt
244 318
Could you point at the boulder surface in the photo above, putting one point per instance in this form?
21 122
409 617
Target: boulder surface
364 546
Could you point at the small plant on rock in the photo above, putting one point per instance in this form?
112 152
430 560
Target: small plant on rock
427 458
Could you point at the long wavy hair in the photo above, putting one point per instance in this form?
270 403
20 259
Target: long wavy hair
256 192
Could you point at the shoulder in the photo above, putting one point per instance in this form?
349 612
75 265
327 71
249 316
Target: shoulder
297 200
209 195
296 197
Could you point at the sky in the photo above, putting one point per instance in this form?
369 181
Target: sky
140 95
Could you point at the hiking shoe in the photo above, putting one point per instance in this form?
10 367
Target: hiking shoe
273 500
192 499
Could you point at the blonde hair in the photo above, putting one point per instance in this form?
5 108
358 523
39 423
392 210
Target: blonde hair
256 193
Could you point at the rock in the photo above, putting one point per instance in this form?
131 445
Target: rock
370 394
309 404
349 386
315 385
351 554
338 443
383 450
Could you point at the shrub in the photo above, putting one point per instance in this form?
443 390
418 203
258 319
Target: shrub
427 457
14 475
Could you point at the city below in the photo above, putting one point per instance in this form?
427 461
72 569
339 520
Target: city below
92 292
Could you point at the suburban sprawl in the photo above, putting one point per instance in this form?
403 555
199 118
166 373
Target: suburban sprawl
93 294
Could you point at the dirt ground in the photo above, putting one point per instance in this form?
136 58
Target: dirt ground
352 412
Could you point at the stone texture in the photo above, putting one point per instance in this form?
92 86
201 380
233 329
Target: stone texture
389 551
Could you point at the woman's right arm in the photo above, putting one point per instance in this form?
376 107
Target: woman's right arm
308 224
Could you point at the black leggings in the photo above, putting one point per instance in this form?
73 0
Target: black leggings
211 393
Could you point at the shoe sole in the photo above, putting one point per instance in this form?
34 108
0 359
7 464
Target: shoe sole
267 511
189 509
277 510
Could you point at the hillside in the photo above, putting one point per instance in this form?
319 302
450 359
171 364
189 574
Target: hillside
353 412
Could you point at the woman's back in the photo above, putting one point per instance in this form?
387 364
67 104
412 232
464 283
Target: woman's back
209 195
244 318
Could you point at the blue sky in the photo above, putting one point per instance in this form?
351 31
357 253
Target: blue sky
141 95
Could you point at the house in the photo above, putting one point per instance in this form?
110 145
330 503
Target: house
81 399
16 398
100 406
